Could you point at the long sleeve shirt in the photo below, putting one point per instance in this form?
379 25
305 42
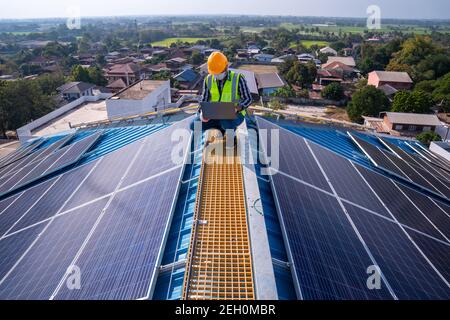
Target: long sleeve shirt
244 92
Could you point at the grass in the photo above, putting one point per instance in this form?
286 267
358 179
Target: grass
167 42
309 43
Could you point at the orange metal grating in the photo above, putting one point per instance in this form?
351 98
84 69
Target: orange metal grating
219 260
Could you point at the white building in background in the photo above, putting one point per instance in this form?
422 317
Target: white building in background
442 148
140 98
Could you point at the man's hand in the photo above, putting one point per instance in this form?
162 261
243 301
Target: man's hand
238 109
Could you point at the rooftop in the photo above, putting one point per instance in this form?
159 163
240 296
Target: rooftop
145 227
392 76
269 80
349 61
127 68
259 68
75 87
139 90
88 112
413 118
249 78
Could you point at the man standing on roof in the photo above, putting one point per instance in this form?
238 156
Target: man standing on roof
219 86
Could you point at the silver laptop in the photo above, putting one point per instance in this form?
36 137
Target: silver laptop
218 110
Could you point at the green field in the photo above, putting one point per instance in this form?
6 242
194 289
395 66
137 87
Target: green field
167 42
348 29
22 33
309 43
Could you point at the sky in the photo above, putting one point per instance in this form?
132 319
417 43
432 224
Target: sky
414 9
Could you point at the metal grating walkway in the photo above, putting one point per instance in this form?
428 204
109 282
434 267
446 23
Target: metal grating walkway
219 258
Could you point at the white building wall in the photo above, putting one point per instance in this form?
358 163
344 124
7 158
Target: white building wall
441 148
158 100
24 133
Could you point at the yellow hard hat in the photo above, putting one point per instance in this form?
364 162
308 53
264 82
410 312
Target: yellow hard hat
217 63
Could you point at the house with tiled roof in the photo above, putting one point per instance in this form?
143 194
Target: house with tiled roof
129 73
397 80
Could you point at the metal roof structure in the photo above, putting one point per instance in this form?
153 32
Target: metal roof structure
392 76
413 118
139 225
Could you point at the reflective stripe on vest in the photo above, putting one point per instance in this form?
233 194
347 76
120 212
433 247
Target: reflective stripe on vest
230 92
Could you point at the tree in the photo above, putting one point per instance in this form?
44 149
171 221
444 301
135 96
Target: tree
276 104
80 74
333 91
285 92
413 102
368 101
49 82
421 58
301 74
439 90
22 101
100 60
427 137
197 58
96 76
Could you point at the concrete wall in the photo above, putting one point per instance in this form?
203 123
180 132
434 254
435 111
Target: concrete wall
24 133
157 100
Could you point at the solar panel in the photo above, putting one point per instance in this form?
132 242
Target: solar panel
329 261
376 156
19 154
430 157
393 164
407 271
53 162
75 152
54 198
26 200
419 176
367 214
40 270
156 156
115 237
120 259
416 161
401 206
13 247
435 158
34 157
106 175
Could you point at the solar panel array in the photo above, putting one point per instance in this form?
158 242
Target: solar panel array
431 157
43 166
102 218
393 163
339 218
20 153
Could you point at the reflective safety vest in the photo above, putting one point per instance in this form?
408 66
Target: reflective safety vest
230 90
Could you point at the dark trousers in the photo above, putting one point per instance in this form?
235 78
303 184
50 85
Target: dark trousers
221 125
